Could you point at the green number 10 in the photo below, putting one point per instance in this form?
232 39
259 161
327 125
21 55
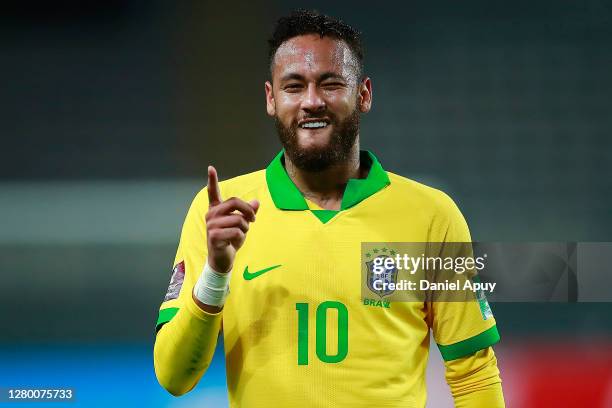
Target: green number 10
321 332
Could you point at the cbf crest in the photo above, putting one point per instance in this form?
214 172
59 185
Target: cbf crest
377 271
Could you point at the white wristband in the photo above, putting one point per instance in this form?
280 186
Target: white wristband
212 287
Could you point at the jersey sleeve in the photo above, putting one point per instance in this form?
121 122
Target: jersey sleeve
460 327
186 334
474 380
189 260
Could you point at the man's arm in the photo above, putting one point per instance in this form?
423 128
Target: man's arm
184 348
465 330
185 345
474 380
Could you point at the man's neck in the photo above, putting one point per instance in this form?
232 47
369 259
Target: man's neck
326 188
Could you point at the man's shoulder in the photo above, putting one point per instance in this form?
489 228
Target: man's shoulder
419 193
244 183
433 204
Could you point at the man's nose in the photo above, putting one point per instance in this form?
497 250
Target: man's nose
312 99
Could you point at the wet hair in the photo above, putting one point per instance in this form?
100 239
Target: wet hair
303 22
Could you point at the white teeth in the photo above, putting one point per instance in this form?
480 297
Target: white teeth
314 125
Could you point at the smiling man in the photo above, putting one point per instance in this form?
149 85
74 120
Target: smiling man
287 242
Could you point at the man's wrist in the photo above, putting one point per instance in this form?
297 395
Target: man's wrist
212 287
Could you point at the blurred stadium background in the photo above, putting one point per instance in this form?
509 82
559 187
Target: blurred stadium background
110 113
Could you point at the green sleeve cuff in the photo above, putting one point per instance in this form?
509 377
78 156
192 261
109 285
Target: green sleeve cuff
470 346
165 315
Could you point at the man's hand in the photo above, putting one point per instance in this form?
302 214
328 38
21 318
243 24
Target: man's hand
227 223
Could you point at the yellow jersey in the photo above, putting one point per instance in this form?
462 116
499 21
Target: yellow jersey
297 330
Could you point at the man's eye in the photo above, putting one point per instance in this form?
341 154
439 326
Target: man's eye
293 87
333 85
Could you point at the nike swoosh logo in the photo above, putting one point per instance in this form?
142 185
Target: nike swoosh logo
252 275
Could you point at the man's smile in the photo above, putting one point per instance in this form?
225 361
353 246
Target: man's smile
314 123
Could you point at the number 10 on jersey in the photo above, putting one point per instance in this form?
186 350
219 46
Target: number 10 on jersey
321 332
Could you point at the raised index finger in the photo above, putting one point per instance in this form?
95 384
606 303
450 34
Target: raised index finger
214 195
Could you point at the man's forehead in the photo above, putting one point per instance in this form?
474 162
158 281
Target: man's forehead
313 52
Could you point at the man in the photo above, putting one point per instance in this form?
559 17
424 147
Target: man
296 331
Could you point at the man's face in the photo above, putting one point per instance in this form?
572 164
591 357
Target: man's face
316 97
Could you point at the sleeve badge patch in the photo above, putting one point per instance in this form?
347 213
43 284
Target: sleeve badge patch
176 281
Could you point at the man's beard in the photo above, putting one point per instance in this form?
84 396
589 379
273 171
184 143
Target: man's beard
341 142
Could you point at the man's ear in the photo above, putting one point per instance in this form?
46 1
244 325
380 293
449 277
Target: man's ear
270 105
364 98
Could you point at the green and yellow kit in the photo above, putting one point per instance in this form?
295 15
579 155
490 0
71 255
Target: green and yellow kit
297 331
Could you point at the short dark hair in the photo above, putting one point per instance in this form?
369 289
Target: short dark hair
302 22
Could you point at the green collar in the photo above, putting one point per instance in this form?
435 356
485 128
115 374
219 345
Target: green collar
286 195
